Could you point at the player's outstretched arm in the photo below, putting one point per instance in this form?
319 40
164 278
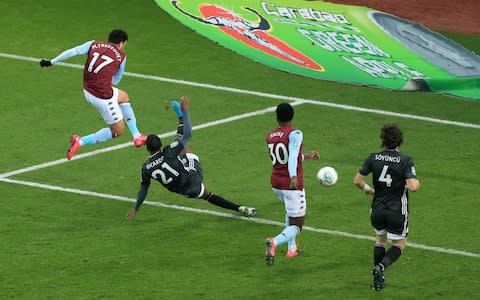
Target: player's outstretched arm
184 103
77 50
141 195
187 124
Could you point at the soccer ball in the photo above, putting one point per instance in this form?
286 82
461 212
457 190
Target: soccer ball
327 176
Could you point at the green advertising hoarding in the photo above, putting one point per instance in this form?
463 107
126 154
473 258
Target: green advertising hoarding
335 42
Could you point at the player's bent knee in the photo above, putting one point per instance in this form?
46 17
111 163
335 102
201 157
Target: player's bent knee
381 239
118 132
117 129
400 243
122 96
297 221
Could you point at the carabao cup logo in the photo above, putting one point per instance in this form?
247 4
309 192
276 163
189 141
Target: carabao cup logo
251 33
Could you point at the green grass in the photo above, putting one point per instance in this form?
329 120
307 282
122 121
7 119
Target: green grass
63 245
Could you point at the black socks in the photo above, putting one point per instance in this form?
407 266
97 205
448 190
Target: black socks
219 201
378 254
390 257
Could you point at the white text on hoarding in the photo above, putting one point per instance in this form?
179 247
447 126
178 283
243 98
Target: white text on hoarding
305 13
342 42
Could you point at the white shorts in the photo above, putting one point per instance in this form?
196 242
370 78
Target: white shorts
108 108
294 200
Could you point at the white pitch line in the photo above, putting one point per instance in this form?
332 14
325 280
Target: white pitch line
249 92
227 215
267 95
129 144
395 114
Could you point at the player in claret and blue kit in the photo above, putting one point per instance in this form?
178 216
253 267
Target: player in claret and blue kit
285 145
104 66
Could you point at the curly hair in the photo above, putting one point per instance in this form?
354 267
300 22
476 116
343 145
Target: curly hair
391 135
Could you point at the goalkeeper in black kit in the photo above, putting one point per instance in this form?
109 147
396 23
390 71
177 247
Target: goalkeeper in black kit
177 169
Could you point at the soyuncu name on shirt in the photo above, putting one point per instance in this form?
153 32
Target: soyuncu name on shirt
387 158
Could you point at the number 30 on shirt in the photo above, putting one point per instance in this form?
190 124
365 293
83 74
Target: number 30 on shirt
278 153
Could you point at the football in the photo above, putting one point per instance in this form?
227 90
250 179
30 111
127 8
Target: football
327 176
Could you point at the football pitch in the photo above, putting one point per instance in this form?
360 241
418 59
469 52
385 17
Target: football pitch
64 235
